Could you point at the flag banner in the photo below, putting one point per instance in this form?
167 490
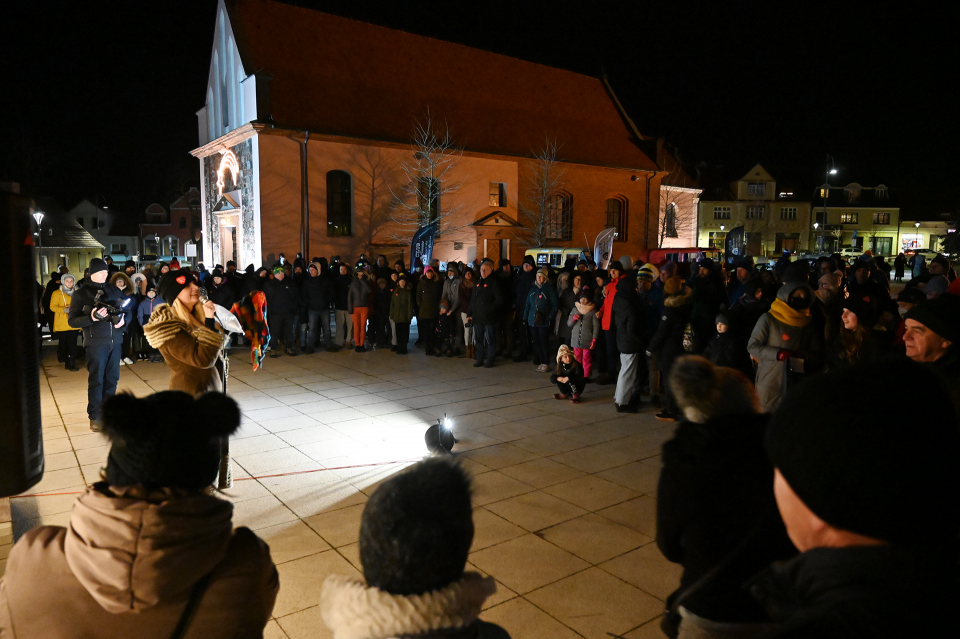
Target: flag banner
603 247
421 249
736 242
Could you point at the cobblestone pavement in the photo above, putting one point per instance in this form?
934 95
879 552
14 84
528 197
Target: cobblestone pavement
564 494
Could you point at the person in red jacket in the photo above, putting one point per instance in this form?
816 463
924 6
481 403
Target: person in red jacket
609 370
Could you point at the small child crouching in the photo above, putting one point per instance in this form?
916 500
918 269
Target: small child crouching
569 376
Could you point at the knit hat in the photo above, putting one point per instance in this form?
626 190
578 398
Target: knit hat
911 296
866 316
865 472
672 286
129 264
174 265
545 272
648 272
941 315
167 440
216 273
565 350
527 259
231 263
506 262
173 282
941 260
278 268
937 285
97 265
722 319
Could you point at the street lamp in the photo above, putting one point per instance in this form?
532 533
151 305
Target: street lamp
38 216
826 192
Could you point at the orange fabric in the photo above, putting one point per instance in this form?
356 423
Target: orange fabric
606 311
359 317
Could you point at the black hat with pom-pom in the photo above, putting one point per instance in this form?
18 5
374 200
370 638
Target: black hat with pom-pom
167 440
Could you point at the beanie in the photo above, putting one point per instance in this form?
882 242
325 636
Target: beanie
672 286
173 282
648 272
871 475
217 273
941 315
278 269
97 265
937 285
722 319
168 439
866 316
545 272
527 259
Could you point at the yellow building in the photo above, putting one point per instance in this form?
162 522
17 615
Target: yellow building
773 220
856 217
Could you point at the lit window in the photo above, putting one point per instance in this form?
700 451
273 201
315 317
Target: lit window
881 218
339 204
788 213
824 193
670 220
721 212
848 218
498 194
559 223
617 217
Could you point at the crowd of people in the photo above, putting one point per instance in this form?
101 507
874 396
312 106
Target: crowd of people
798 502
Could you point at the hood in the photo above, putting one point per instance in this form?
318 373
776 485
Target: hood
131 554
679 300
789 287
627 283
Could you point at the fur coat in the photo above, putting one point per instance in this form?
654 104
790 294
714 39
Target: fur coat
191 355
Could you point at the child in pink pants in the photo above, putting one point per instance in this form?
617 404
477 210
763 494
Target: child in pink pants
584 329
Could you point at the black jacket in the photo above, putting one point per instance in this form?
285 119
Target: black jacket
668 342
716 488
224 295
863 591
486 301
281 297
725 350
522 284
317 293
81 305
628 317
341 291
254 282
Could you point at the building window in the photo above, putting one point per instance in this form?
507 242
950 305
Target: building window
788 213
559 222
718 240
80 221
183 222
881 218
118 249
721 212
757 188
754 212
824 193
848 218
498 194
670 220
428 200
339 204
617 217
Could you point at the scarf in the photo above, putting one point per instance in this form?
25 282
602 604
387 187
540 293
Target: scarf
66 291
788 315
583 309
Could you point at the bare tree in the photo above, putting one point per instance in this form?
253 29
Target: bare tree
677 211
541 207
376 178
427 182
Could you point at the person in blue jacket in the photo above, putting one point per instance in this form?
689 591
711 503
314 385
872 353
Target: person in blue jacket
144 311
541 306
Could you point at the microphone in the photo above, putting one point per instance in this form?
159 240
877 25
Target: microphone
203 295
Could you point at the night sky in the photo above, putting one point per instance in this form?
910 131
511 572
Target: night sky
100 98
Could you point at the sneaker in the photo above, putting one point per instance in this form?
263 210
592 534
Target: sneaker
394 348
626 408
127 360
666 416
543 368
122 363
358 349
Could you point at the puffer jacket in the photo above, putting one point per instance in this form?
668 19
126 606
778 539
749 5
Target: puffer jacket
585 328
428 298
358 295
451 289
401 305
282 296
145 310
628 317
777 330
125 567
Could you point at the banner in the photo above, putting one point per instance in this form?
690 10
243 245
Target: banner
603 247
736 243
422 246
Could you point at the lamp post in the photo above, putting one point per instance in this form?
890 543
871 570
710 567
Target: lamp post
918 240
38 216
826 192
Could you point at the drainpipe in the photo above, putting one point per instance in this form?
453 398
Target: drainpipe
646 224
304 196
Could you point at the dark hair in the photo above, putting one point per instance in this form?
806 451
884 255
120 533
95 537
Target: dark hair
417 528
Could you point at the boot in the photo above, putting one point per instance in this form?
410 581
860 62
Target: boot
575 398
72 365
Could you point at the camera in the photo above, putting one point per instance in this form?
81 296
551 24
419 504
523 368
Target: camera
114 312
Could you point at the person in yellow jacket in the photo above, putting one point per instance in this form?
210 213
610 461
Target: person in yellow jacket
66 336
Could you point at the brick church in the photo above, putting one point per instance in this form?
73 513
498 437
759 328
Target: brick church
306 145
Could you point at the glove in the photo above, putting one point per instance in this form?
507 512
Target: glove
575 318
593 344
783 354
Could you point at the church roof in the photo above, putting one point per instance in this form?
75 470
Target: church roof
339 76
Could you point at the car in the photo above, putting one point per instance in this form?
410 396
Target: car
851 251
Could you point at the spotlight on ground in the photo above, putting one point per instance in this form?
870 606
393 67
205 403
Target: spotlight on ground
439 437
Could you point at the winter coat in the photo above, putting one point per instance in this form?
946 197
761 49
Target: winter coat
81 306
191 355
667 344
381 301
428 298
224 295
880 592
451 293
254 282
543 299
317 293
566 300
775 331
59 302
606 311
358 296
401 305
486 301
341 287
708 295
573 370
724 350
464 294
628 318
584 329
145 309
715 489
282 296
351 609
522 284
125 567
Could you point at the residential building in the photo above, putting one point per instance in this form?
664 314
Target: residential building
307 128
119 233
61 240
856 216
174 234
775 217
